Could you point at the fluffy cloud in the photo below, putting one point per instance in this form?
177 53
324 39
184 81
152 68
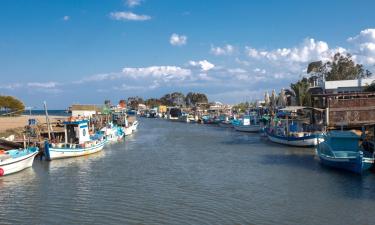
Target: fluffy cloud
164 72
364 46
124 16
203 64
226 50
178 40
66 18
307 51
133 3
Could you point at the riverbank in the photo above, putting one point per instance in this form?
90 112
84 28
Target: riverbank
14 124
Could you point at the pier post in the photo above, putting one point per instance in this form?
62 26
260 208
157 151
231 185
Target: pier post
46 150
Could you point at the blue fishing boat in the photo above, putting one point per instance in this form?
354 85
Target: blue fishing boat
341 149
207 119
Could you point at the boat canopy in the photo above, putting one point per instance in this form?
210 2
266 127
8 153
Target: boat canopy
76 122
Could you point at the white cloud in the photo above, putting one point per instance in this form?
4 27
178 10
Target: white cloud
133 3
125 87
203 64
42 85
177 40
307 51
10 86
237 70
258 70
66 18
364 46
157 71
124 16
226 50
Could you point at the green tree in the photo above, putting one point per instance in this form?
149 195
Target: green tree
133 102
340 67
192 99
370 88
242 107
11 105
300 88
153 102
173 99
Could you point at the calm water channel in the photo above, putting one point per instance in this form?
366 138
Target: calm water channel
175 173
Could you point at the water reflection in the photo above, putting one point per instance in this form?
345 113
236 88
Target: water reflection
176 173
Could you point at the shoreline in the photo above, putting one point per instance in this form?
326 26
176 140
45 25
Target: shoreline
10 123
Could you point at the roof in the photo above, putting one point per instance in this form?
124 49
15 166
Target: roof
348 83
295 108
76 122
85 107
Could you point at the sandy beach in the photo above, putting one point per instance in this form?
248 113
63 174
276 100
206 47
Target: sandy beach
7 123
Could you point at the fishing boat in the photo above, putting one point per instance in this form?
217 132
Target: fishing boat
250 123
112 133
226 124
78 141
208 119
174 113
289 129
299 140
134 125
15 160
130 127
341 149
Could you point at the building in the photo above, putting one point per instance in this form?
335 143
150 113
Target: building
85 110
321 86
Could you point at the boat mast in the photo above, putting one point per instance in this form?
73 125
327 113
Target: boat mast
47 120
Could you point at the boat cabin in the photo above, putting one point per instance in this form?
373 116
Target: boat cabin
76 132
343 140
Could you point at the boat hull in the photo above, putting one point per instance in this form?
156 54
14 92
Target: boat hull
114 138
60 153
249 128
128 130
355 165
308 141
134 126
226 125
345 159
15 165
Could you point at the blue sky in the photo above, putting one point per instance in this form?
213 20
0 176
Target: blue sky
75 51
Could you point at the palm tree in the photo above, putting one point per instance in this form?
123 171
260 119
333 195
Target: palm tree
301 88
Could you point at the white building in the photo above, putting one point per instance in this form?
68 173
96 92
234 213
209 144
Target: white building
346 86
343 86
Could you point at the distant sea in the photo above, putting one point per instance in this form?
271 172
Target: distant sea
50 112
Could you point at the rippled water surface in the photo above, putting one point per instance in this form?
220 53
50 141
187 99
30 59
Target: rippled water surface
175 173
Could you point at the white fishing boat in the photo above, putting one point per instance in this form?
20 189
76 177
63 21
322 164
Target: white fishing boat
248 128
250 123
134 125
295 130
112 133
77 142
302 139
13 161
